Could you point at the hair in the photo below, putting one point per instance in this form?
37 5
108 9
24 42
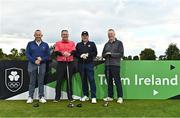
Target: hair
111 30
64 31
37 30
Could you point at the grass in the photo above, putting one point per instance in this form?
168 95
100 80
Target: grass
130 108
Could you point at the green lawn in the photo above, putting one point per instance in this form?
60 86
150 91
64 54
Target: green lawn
139 108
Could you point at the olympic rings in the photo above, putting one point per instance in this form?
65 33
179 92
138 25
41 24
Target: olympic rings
13 84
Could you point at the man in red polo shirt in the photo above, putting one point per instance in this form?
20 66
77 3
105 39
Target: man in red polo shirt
65 50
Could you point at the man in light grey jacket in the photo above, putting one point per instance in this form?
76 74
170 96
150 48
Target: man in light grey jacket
113 52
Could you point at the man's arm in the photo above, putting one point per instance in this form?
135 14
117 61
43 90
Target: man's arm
56 51
94 52
120 52
28 54
104 51
73 52
78 54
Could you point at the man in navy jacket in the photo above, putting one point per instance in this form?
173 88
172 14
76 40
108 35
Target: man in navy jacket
86 51
37 53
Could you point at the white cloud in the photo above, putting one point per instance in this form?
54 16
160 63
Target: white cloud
7 42
139 23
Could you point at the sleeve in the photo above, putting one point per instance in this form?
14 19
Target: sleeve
78 54
56 50
28 54
73 52
57 53
120 52
94 52
104 51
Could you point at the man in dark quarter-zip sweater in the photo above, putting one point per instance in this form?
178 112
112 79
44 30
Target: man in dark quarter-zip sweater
86 51
113 52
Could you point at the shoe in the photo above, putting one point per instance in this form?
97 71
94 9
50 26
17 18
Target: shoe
29 100
120 100
85 98
55 101
42 100
93 101
108 99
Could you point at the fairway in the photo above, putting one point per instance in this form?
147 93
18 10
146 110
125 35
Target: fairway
130 108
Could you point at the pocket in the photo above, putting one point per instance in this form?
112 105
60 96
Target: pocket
31 67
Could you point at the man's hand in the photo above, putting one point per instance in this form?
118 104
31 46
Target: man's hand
108 53
84 55
39 58
66 54
37 62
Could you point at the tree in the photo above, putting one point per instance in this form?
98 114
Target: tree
14 55
1 53
14 52
129 57
125 58
136 57
162 57
172 52
22 52
147 54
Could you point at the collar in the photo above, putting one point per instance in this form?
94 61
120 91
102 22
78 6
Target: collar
38 43
113 40
65 41
85 43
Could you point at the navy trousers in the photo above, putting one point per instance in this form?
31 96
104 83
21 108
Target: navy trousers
87 74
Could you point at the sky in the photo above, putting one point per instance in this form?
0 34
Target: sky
138 24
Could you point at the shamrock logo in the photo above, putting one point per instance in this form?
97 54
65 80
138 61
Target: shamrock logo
14 76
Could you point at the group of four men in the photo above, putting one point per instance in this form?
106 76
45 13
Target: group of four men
38 53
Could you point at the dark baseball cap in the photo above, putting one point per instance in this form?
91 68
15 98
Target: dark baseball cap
84 33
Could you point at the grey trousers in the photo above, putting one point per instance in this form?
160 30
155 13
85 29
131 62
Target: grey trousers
34 75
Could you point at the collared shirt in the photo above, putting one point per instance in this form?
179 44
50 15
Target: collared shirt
38 42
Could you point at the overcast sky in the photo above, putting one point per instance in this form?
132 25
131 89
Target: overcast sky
139 24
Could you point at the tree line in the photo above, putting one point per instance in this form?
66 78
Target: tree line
171 53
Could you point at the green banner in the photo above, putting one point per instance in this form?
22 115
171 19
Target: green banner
140 79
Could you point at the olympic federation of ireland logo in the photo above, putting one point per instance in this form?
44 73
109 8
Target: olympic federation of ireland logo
13 79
